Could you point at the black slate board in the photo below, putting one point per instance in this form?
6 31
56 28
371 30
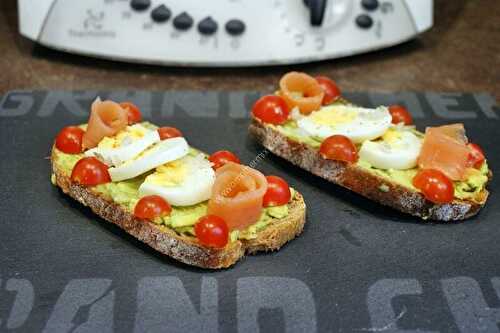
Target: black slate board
357 267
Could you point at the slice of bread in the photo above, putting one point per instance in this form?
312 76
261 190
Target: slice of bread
359 180
183 248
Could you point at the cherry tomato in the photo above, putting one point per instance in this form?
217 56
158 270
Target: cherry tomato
332 92
278 192
476 155
169 132
400 115
134 114
69 140
221 157
212 230
435 186
340 148
271 109
90 171
151 206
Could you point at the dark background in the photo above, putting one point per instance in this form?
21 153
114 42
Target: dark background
349 244
461 53
355 264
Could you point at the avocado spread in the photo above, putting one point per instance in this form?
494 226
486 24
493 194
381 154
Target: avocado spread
181 219
470 188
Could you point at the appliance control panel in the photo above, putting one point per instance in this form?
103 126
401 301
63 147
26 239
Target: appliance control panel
222 32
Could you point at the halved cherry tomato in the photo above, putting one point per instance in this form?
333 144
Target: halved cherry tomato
212 230
435 186
69 140
90 171
133 112
340 148
476 155
332 91
400 115
151 206
278 192
169 132
221 157
271 109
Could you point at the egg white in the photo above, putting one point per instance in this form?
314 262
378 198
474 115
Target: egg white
195 185
162 152
124 146
399 149
358 124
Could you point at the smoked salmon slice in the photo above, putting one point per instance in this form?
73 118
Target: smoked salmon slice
302 91
445 149
106 119
237 195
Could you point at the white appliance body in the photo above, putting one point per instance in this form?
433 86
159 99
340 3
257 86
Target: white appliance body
268 32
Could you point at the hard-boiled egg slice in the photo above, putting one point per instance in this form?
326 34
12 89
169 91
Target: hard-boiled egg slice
398 149
163 152
126 145
184 182
358 124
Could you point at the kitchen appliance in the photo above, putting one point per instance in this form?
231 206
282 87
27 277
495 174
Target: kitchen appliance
226 33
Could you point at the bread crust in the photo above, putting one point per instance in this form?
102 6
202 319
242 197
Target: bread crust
359 180
183 248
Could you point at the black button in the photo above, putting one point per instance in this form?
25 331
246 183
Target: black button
364 21
183 21
161 14
207 26
235 27
369 4
140 4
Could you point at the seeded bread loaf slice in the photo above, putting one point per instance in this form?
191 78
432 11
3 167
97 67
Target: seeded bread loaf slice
183 248
361 181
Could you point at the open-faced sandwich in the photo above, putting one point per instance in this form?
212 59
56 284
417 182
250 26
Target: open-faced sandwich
377 153
206 211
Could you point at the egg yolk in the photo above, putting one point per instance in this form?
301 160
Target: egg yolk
130 133
392 136
169 174
332 117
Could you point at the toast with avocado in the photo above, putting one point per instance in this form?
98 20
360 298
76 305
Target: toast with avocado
437 174
205 211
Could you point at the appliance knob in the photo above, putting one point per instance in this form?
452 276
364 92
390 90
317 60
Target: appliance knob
140 5
317 10
235 27
161 14
370 4
364 21
183 21
207 26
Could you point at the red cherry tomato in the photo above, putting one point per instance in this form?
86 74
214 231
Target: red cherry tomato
212 230
340 148
169 132
151 206
271 109
278 192
435 186
134 114
332 92
221 157
476 155
69 140
90 171
400 115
